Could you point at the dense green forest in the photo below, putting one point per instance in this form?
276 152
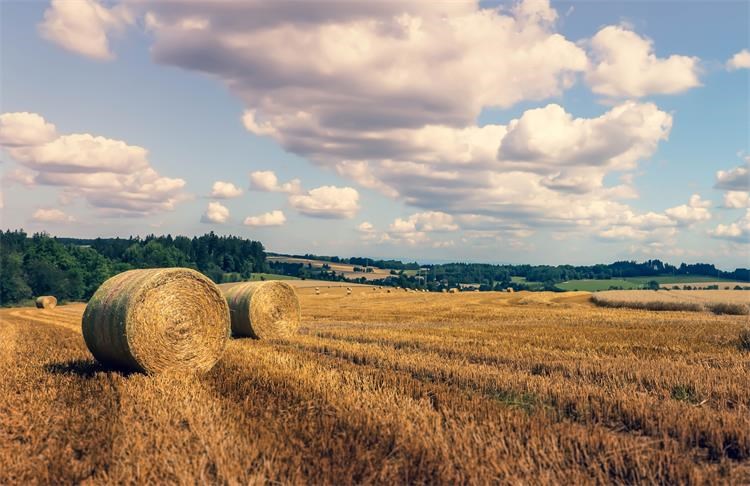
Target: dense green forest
72 269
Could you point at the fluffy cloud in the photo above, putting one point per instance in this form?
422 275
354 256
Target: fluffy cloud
366 227
741 60
651 226
736 199
549 140
266 180
25 129
426 222
82 153
738 231
83 26
225 190
736 183
694 211
371 67
388 94
359 172
272 218
114 177
737 179
19 176
327 202
415 229
624 65
215 213
367 231
51 215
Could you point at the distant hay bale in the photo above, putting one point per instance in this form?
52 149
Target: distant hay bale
46 302
157 320
445 291
510 290
263 310
454 290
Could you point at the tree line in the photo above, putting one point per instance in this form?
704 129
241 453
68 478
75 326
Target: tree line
72 268
499 277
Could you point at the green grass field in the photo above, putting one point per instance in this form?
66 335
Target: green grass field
271 276
634 282
595 285
669 279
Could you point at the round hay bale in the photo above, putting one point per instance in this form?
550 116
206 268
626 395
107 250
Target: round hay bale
46 302
263 310
157 320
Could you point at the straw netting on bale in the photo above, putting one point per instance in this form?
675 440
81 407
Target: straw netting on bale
157 320
263 310
46 302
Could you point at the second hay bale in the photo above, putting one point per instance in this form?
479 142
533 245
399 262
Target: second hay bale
263 310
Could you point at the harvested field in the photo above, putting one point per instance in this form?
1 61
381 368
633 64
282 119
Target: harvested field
393 388
718 301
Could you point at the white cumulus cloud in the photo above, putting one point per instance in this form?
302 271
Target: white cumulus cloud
738 231
111 175
740 60
736 199
266 180
327 202
624 65
215 213
51 215
694 211
25 129
272 218
737 179
84 26
225 190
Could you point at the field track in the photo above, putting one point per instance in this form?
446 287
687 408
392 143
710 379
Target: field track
393 388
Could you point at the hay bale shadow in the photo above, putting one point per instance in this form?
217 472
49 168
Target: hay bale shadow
84 368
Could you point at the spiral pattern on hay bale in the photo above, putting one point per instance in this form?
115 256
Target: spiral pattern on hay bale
263 310
157 320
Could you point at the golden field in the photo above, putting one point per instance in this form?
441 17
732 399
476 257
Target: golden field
393 388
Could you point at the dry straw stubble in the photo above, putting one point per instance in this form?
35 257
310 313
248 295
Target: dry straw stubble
46 302
157 320
263 310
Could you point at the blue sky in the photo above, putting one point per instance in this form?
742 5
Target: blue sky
630 138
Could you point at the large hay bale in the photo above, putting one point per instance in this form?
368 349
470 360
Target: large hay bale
156 320
263 310
46 302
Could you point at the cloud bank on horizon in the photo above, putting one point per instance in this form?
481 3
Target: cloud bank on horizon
389 96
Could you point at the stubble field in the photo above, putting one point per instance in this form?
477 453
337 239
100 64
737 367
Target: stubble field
393 388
